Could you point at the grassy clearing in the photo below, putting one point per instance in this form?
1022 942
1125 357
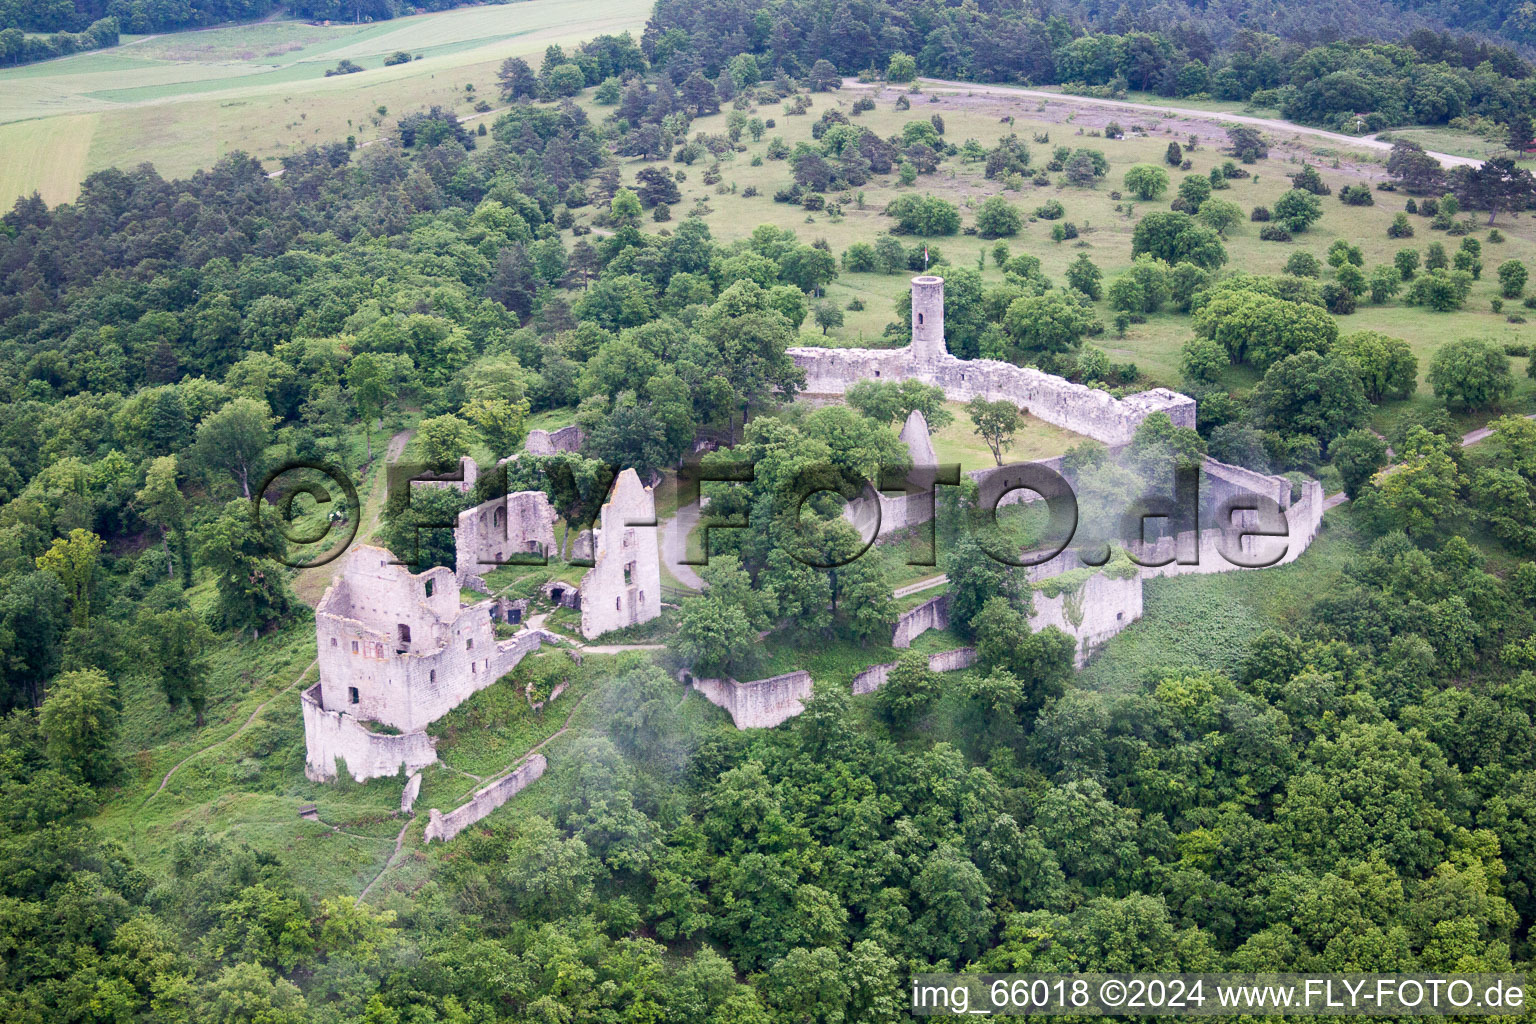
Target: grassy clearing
488 732
1208 622
1456 143
1036 439
1105 232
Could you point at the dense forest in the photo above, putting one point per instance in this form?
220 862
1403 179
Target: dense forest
1356 793
1425 78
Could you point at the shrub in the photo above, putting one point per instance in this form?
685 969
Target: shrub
1063 231
1259 215
1400 227
1357 195
1471 372
924 215
1274 233
1308 180
1440 290
1339 298
1298 209
860 258
1051 210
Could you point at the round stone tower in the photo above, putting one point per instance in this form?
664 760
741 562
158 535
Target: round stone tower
928 318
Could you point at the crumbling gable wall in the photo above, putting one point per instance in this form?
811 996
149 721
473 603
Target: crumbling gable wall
623 587
545 442
518 525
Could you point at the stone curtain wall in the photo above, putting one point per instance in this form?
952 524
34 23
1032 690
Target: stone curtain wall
329 735
1083 410
446 826
1092 613
1102 607
761 703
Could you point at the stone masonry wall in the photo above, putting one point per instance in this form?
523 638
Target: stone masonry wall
1087 411
545 442
1091 614
446 826
329 735
874 677
910 624
761 703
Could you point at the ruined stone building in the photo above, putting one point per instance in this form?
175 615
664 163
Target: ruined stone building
516 528
397 651
623 588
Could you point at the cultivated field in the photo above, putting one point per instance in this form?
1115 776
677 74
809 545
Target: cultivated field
182 101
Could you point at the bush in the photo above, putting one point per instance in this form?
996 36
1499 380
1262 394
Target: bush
1512 278
860 258
1339 299
1259 215
1440 290
1146 181
1063 231
1298 209
1400 227
1050 210
1274 233
924 215
1308 180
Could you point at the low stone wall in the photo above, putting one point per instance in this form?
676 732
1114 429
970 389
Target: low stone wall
761 703
874 677
931 614
952 661
329 735
514 649
446 826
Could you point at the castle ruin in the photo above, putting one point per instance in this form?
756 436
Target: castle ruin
1088 411
399 650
